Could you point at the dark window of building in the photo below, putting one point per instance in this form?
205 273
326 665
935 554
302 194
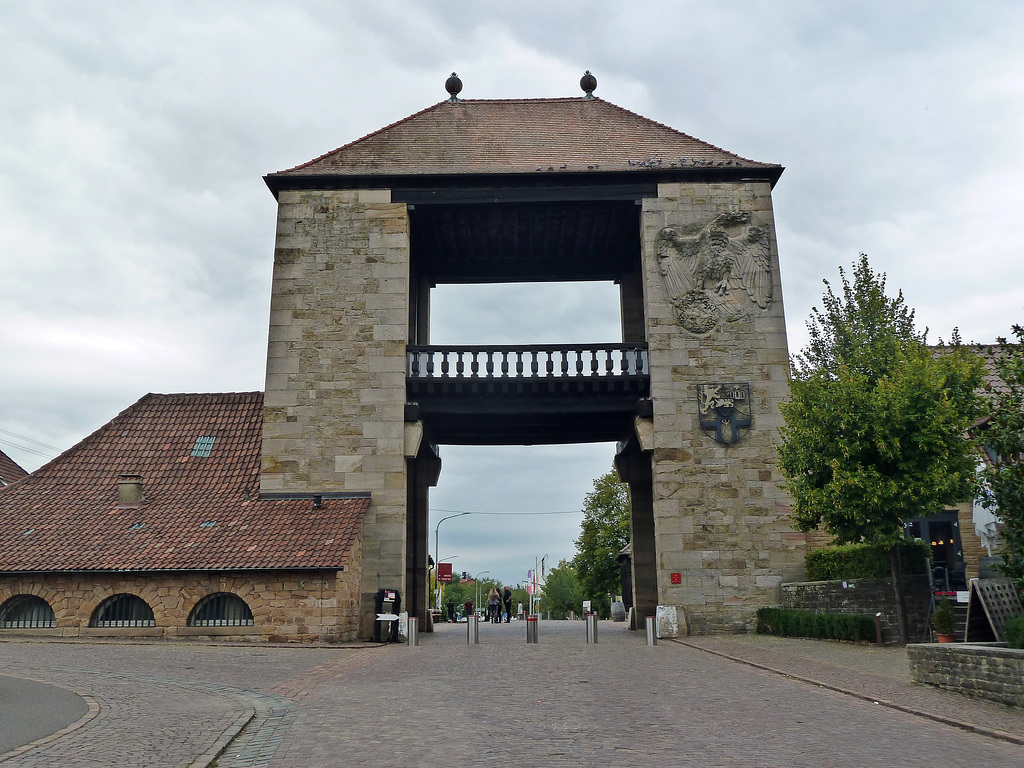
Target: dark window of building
221 610
123 611
26 612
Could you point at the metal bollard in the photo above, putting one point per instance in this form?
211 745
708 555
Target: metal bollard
413 636
531 629
591 629
572 615
652 635
473 630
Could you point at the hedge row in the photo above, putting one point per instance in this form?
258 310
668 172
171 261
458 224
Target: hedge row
828 626
1015 632
864 561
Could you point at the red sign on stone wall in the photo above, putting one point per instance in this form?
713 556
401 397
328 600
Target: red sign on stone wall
444 573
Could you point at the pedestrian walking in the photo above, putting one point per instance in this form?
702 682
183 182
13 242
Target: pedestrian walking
519 613
468 607
494 606
506 601
451 609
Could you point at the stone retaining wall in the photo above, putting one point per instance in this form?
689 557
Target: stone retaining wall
984 671
864 596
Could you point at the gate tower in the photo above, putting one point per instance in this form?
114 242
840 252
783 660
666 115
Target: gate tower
564 189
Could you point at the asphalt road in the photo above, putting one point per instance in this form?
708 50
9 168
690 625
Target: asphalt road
31 710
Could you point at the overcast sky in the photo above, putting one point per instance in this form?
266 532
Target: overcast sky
136 233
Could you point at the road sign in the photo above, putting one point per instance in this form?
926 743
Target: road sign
444 573
387 617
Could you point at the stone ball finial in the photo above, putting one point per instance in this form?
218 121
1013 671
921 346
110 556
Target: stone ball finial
589 84
454 86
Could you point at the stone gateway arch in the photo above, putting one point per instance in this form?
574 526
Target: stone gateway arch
567 189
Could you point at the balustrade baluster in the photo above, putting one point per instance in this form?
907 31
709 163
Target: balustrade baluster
490 362
444 363
414 363
579 362
565 362
460 364
534 365
504 362
609 364
519 362
430 363
549 361
475 362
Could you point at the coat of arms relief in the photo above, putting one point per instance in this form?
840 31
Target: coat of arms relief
712 272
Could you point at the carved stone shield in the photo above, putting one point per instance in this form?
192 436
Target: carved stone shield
724 410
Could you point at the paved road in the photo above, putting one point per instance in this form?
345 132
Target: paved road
31 710
559 702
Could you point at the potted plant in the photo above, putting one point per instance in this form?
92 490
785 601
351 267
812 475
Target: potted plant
944 622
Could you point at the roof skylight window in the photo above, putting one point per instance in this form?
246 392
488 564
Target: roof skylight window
136 527
203 446
208 524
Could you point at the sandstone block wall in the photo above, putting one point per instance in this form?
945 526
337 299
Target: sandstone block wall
721 521
335 392
982 671
286 605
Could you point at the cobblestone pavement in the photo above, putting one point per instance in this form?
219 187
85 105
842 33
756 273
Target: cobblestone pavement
560 702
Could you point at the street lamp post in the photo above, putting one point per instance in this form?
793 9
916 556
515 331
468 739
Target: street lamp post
534 599
476 583
437 593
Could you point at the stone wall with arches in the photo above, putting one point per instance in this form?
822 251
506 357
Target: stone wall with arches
287 606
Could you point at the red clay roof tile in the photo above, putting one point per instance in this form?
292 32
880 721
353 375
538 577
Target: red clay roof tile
521 136
65 516
10 471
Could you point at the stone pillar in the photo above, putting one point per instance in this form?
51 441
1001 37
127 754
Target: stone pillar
335 394
423 474
634 468
631 300
723 540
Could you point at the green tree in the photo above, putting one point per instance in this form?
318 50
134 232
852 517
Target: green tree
562 591
876 422
604 532
1003 438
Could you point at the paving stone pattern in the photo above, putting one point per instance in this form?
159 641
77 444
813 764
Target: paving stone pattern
559 702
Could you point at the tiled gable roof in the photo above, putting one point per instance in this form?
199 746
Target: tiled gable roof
10 471
521 136
197 513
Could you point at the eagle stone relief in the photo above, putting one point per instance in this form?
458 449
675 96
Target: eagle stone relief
701 270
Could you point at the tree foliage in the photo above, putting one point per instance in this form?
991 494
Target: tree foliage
562 592
603 533
875 425
1003 437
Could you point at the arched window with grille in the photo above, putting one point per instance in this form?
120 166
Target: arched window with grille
221 610
26 612
123 611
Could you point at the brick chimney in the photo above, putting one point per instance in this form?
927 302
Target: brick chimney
129 490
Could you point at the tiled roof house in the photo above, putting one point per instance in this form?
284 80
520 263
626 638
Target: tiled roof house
10 471
162 503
